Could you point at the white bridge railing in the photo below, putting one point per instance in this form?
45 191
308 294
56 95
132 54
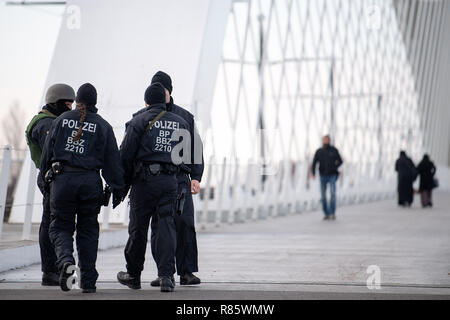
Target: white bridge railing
235 193
232 192
4 179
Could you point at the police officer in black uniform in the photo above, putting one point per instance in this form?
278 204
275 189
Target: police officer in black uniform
189 179
59 99
80 144
146 154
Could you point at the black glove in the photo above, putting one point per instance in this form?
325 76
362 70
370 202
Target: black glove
41 183
46 189
48 176
118 197
106 196
46 181
126 190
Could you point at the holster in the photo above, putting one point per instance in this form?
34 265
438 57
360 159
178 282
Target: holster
137 172
180 202
156 169
55 170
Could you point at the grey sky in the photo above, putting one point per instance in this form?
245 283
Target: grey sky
27 39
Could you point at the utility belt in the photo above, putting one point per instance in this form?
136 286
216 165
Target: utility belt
58 168
157 168
185 169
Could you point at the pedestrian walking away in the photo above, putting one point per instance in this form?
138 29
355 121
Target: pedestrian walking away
406 175
329 161
59 99
79 145
150 171
426 170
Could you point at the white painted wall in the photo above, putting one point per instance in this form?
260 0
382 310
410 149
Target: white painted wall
120 45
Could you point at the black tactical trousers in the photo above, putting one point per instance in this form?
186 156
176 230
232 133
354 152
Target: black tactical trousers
186 253
152 196
48 256
76 194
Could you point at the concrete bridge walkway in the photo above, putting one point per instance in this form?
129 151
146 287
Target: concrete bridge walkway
294 257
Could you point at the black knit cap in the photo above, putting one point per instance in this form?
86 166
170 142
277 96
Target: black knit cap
87 94
164 79
155 94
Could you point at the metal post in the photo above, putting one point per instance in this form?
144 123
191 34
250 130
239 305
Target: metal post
207 190
105 220
26 234
332 116
380 138
261 94
126 217
235 189
4 179
219 193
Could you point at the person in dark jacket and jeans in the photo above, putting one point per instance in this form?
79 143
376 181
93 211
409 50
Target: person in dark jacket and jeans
329 161
426 170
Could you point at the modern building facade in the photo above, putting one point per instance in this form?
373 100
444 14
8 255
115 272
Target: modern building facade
266 79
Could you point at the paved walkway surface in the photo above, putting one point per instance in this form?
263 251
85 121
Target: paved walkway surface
12 236
295 257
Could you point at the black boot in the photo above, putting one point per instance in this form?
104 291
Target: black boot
189 279
50 279
156 282
64 276
89 290
166 284
128 280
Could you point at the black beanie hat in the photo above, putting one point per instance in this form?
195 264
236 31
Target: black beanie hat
154 94
87 94
164 79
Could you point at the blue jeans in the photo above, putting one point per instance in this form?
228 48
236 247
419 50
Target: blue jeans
328 209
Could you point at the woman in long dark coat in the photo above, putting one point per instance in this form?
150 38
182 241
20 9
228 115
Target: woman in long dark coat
426 170
407 174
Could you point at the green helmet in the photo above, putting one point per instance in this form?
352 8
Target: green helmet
58 92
